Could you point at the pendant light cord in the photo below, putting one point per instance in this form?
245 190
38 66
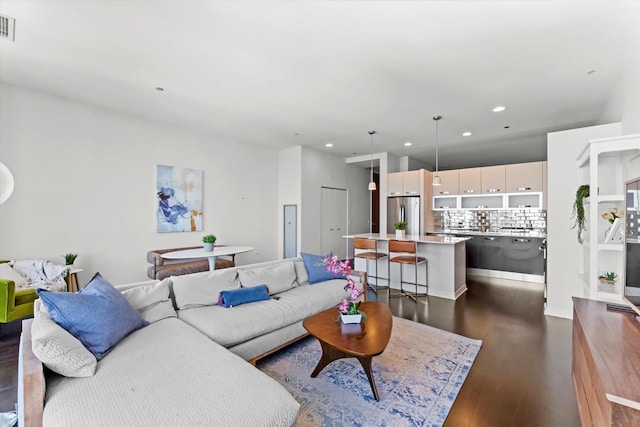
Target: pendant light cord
436 146
437 119
371 132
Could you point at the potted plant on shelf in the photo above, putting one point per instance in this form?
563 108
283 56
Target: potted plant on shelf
608 277
70 258
400 227
578 209
208 242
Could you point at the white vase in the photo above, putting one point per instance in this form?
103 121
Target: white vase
208 247
399 234
350 318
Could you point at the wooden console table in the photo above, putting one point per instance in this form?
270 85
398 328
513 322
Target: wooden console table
605 365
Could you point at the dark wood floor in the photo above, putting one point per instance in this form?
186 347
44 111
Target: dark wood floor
522 375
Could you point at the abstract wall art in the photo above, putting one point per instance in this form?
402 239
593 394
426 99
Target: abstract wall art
178 199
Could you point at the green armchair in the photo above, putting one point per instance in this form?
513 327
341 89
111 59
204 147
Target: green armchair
15 304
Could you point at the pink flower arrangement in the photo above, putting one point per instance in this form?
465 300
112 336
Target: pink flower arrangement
344 268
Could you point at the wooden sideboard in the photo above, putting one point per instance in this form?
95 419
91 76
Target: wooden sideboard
606 364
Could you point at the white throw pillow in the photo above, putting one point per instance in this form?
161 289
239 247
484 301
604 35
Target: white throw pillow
201 289
57 349
151 301
302 276
7 272
278 277
41 270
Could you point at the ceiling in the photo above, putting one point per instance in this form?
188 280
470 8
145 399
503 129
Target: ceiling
307 73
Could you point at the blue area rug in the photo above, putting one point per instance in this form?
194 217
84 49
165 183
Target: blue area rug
418 377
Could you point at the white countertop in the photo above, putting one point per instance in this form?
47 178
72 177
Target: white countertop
506 233
446 240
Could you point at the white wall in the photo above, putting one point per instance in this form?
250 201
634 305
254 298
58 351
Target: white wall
320 169
289 191
564 178
85 183
624 103
410 164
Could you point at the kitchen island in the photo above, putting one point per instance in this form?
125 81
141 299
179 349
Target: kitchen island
446 266
507 254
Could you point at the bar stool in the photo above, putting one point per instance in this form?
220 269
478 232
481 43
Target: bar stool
407 254
361 243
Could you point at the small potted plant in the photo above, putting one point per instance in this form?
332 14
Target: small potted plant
608 277
400 227
208 242
70 258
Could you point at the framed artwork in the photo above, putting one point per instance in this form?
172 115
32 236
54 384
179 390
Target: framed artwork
178 199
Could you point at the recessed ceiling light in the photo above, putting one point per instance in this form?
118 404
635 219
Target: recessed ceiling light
408 144
499 108
467 134
328 145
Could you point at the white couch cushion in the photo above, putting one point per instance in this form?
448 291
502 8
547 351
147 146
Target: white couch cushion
302 276
169 374
232 326
278 277
202 289
8 273
152 301
57 349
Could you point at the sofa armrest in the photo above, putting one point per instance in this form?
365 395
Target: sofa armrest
31 385
7 298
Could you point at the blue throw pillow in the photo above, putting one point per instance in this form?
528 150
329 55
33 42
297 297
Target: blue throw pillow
243 295
99 315
316 269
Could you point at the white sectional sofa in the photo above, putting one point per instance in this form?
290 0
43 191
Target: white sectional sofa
188 366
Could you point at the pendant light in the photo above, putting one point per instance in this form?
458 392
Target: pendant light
372 183
436 178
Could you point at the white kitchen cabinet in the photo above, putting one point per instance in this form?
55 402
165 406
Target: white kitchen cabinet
605 163
470 181
394 184
411 183
524 177
482 201
524 200
448 183
443 203
493 179
403 183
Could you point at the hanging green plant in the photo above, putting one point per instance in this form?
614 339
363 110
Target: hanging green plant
578 209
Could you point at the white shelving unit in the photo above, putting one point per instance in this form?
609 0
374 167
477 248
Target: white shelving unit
605 163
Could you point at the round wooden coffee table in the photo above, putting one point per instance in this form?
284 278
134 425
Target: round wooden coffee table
362 341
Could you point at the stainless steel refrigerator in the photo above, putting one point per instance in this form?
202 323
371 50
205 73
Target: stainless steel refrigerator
405 209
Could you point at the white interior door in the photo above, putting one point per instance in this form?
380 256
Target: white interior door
333 221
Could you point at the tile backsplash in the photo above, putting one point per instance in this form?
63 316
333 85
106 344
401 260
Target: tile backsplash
493 220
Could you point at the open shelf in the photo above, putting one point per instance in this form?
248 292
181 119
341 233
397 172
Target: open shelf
605 165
